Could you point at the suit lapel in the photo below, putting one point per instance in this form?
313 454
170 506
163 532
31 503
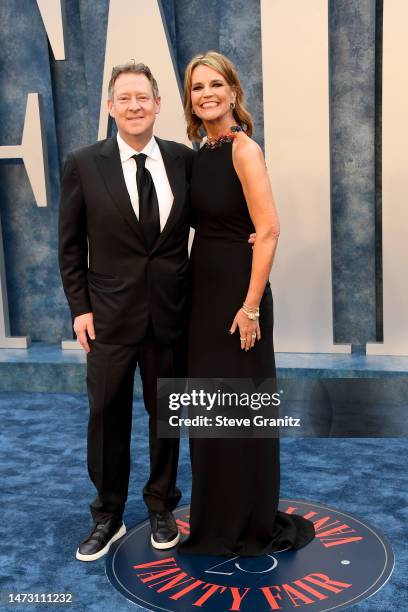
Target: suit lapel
110 168
175 170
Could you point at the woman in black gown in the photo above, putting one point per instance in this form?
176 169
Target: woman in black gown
235 482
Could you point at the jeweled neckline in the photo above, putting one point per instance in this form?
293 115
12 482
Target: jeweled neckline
214 143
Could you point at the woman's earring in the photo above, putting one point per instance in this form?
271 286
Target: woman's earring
192 111
232 105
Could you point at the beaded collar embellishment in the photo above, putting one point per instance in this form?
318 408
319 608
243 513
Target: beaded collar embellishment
214 143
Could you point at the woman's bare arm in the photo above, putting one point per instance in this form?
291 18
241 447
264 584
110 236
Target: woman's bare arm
250 167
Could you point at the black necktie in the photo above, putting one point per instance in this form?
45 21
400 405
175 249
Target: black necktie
149 216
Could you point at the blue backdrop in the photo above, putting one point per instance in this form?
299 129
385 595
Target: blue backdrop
71 93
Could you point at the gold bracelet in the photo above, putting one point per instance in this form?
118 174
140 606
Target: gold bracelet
256 308
251 313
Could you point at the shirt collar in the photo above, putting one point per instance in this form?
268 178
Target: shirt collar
126 151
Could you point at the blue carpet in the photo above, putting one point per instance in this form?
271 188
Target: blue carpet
46 492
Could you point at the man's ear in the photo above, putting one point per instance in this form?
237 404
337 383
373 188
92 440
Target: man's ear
158 104
110 108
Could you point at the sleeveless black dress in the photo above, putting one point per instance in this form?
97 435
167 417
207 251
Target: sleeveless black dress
235 482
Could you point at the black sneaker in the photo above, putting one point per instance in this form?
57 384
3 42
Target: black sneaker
99 540
165 533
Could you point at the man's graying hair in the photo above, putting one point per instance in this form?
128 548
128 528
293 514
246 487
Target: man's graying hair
135 69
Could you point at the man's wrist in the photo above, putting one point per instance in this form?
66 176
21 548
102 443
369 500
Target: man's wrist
82 314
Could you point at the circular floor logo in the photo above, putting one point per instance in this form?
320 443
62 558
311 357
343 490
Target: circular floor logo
346 562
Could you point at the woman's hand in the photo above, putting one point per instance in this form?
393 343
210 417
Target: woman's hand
249 331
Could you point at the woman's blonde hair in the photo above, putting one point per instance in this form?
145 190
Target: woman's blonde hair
224 66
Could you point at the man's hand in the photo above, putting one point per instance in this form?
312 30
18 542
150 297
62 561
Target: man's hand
83 324
251 239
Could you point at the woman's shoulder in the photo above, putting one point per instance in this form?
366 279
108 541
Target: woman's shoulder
246 149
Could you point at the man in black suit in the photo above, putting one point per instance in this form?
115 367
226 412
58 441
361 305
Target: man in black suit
124 204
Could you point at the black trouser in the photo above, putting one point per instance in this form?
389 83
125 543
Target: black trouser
110 377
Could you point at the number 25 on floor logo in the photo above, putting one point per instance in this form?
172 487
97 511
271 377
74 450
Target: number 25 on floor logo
346 562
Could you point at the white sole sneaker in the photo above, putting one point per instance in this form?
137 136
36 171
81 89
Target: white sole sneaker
164 545
120 532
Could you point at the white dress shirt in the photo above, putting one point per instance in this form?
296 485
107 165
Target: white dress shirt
154 163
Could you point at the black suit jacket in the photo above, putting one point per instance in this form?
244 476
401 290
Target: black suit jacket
124 284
